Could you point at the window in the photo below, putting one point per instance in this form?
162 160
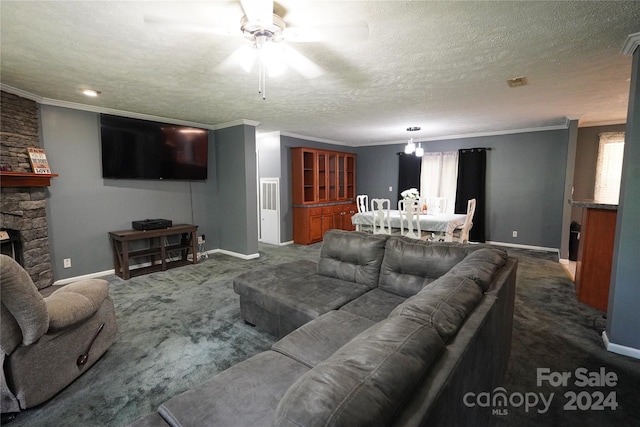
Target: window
609 167
439 177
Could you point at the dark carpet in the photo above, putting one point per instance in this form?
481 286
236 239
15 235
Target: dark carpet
180 327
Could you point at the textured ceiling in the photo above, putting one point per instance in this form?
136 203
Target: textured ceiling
442 66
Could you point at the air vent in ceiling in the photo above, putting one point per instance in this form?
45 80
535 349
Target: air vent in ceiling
517 81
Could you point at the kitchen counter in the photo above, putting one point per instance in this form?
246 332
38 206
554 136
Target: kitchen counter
593 204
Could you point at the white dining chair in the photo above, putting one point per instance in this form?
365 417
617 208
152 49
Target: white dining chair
362 201
461 234
381 209
408 209
436 205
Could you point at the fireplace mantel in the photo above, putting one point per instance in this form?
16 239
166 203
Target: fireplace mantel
25 179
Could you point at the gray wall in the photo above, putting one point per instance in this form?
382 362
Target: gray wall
83 207
237 224
623 320
525 182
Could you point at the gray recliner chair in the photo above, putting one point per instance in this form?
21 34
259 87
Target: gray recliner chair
48 342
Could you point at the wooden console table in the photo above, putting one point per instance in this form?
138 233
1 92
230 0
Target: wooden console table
157 251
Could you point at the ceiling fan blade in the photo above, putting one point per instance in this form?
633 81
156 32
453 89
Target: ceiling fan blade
357 31
173 24
258 10
303 65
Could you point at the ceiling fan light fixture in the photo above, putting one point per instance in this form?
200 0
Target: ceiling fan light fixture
245 57
273 57
270 60
419 150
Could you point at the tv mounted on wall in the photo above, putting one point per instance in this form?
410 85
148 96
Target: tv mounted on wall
141 149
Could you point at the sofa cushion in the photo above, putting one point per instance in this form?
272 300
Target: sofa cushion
375 304
317 340
410 264
444 304
367 381
481 266
244 395
352 256
295 291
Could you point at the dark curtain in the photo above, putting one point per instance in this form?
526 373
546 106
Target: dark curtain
408 172
472 165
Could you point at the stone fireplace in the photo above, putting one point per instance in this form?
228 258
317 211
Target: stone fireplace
24 208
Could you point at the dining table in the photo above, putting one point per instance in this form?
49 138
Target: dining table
441 223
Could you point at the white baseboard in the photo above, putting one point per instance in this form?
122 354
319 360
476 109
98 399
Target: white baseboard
534 248
144 264
86 276
620 349
234 254
290 242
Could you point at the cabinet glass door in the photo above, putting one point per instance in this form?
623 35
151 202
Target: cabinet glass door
308 176
341 177
351 179
333 181
322 177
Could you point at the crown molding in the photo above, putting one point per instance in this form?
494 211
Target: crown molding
562 126
121 113
631 44
96 109
102 110
602 123
311 138
236 123
20 92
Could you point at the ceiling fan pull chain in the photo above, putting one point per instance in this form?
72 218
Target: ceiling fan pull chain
262 81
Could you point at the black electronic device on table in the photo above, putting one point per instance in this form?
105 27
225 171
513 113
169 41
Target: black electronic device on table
151 224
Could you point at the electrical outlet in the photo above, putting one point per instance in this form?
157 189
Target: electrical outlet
515 233
67 263
390 188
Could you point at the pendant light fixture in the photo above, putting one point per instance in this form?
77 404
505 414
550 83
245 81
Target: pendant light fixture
411 146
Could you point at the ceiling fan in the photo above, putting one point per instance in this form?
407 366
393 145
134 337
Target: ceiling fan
265 27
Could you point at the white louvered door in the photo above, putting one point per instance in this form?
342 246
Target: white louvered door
270 210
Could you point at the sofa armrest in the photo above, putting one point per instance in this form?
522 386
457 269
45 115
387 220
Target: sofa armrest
75 302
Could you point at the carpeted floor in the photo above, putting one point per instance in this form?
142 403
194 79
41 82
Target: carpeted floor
180 327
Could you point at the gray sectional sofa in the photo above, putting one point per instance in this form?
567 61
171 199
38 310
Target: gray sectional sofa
381 331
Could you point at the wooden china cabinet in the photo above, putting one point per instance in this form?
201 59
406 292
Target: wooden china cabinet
324 191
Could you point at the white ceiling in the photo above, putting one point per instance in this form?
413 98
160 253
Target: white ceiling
442 66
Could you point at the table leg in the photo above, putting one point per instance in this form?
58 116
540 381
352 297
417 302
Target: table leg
163 253
125 260
117 255
194 247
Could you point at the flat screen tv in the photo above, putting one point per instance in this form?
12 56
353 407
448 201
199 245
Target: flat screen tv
141 149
